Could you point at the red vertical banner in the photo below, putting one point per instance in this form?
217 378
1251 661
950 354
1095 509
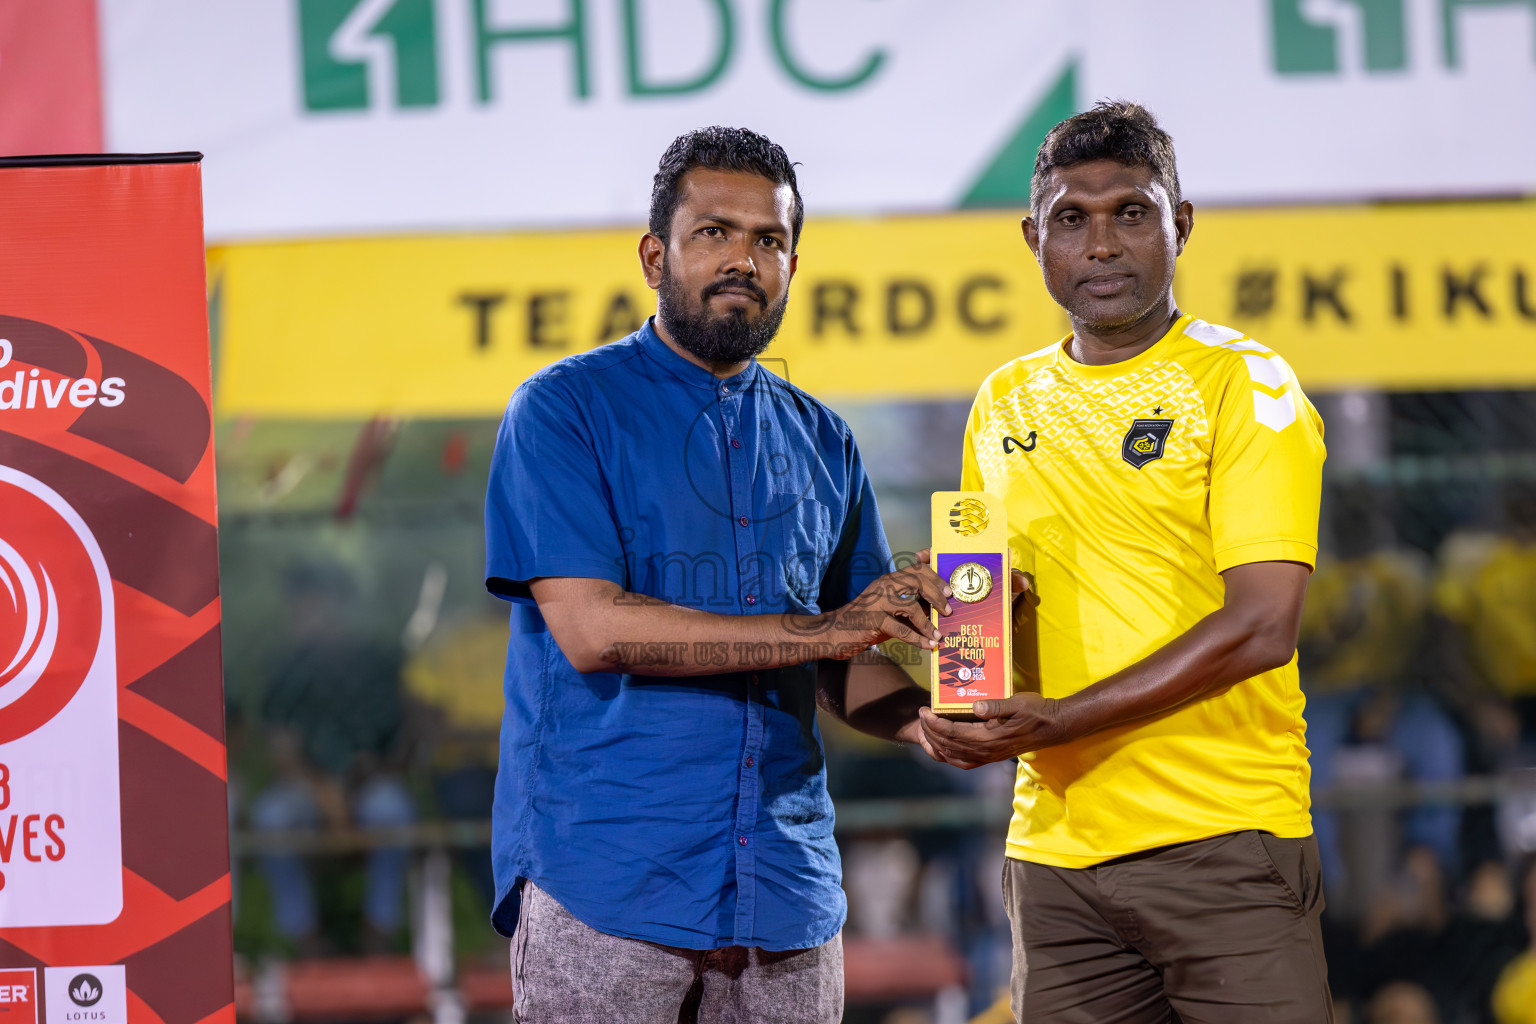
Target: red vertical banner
114 850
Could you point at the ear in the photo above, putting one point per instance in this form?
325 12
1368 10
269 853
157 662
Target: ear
1031 235
653 251
794 264
1183 223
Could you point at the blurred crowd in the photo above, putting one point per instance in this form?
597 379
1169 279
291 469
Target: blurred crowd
1420 672
362 733
1421 669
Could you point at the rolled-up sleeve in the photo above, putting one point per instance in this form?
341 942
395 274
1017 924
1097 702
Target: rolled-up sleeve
547 508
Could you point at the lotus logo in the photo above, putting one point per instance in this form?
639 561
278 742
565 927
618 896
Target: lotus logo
85 990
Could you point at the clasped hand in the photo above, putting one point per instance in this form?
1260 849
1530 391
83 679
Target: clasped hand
893 607
1007 728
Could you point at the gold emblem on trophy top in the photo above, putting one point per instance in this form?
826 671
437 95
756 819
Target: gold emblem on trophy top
968 517
971 582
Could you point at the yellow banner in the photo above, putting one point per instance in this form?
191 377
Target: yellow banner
1412 296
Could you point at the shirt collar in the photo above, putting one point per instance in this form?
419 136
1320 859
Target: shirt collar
685 370
1131 365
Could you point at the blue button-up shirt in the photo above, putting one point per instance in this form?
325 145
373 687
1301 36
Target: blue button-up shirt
691 811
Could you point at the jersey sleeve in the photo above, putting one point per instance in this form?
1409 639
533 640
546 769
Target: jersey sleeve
547 511
1266 469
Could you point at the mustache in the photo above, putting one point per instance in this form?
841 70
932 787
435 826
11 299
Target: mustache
735 284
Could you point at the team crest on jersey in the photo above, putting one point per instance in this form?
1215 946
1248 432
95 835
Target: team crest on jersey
1144 442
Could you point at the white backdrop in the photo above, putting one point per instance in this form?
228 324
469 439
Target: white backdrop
384 127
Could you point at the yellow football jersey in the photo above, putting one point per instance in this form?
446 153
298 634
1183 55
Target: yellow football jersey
1130 488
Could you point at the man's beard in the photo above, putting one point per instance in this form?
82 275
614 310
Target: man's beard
715 339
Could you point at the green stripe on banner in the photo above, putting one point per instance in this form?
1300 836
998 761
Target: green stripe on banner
1005 182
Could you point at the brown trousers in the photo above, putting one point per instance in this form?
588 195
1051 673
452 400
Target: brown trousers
1219 931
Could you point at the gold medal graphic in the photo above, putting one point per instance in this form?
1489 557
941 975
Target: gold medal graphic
971 582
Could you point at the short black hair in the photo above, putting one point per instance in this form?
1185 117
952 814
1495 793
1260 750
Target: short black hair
1113 130
720 149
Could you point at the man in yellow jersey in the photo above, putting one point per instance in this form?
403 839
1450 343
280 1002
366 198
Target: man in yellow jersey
1161 865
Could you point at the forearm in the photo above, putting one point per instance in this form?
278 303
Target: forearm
600 627
611 630
660 639
1224 648
872 694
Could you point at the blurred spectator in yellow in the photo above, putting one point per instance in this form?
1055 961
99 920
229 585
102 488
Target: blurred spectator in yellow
997 1013
1366 719
1514 997
453 682
1487 586
1402 1002
333 732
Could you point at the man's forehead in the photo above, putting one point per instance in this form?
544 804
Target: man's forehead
1101 179
733 191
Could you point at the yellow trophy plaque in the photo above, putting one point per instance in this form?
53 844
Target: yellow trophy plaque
970 552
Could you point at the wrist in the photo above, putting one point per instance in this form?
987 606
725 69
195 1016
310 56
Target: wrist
793 629
1071 717
833 637
808 627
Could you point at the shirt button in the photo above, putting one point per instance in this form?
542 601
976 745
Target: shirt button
750 762
751 599
735 443
752 679
742 840
743 521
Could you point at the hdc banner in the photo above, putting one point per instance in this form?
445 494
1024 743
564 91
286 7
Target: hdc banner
114 860
324 118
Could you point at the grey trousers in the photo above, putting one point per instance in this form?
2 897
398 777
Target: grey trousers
1219 931
564 972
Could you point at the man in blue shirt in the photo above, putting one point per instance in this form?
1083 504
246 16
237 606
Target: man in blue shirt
695 561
